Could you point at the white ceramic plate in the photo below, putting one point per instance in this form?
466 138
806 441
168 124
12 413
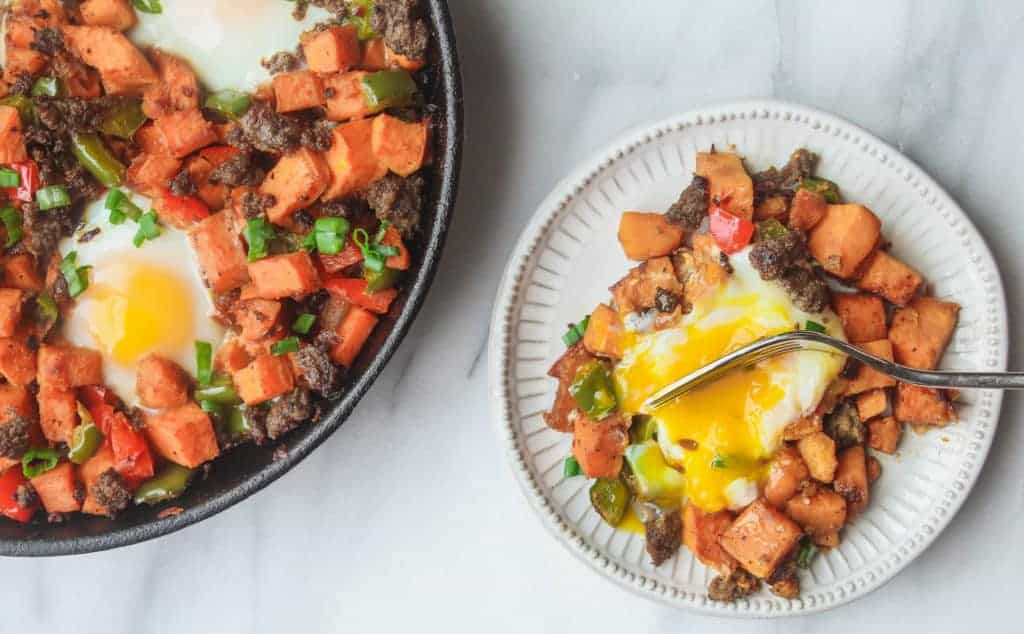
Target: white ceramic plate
568 256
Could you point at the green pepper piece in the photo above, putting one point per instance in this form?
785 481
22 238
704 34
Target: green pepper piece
231 104
593 390
237 424
23 105
823 186
85 439
221 391
48 87
123 119
381 280
168 484
94 156
770 230
653 478
805 556
388 89
643 429
610 498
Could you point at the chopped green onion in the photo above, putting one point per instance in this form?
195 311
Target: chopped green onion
47 307
36 462
211 407
375 254
12 222
289 344
328 236
363 20
571 468
304 323
48 87
719 462
805 556
76 276
121 207
204 362
258 233
575 332
230 103
148 6
148 229
9 178
52 197
814 326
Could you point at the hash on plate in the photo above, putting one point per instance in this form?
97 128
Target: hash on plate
197 245
760 470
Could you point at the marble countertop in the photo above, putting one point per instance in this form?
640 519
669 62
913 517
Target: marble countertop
408 519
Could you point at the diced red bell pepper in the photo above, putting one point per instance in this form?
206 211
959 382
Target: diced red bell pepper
402 261
28 172
730 232
132 457
350 255
354 291
217 155
101 403
181 211
9 483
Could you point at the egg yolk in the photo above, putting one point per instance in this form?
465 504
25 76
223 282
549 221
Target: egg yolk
138 309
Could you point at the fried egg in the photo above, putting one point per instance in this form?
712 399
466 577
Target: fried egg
723 435
139 301
224 40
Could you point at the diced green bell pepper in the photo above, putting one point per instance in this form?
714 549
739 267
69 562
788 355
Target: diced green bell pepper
94 156
169 483
610 498
388 89
825 187
85 439
381 280
653 478
123 119
643 429
593 390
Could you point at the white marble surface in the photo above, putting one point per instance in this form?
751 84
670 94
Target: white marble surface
408 519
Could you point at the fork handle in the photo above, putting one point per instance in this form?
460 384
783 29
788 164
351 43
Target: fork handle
940 378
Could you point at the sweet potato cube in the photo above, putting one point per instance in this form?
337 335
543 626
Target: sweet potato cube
17 361
16 401
852 479
183 435
65 367
123 67
353 331
884 434
12 139
374 55
892 279
701 534
221 255
265 378
178 89
148 174
299 90
728 182
646 235
604 333
394 59
286 275
185 132
399 146
786 474
231 357
151 140
819 453
862 316
19 271
161 383
598 445
872 403
761 538
296 182
922 406
844 238
116 14
332 50
90 472
345 96
921 330
801 427
257 317
351 159
10 310
806 210
23 61
58 489
868 378
822 512
58 413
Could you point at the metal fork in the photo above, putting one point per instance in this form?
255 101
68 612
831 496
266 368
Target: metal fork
805 340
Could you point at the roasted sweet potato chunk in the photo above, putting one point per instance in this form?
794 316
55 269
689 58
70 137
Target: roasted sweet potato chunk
818 451
701 534
844 238
852 479
161 383
921 330
868 378
807 210
598 445
604 333
871 404
923 406
761 538
785 475
645 235
884 434
892 279
728 182
66 367
862 316
58 489
183 435
821 512
560 417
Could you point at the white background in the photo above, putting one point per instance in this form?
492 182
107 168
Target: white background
407 519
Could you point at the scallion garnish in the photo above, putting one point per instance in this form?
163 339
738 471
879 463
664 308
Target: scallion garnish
330 234
12 222
47 307
571 468
204 362
719 462
148 6
304 323
52 197
805 556
575 332
9 178
258 234
47 87
76 276
36 462
210 407
814 326
121 207
286 345
148 229
375 253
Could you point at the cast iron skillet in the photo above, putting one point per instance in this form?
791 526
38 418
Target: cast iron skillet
245 470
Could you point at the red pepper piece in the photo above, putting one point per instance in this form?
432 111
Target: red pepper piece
181 211
132 457
28 172
354 291
101 403
730 232
9 483
350 255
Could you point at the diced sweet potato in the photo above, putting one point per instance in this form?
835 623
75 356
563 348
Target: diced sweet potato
58 413
332 50
868 378
186 131
772 207
871 404
20 32
604 333
10 310
123 67
598 445
151 140
161 383
892 279
646 235
821 512
298 90
257 317
761 538
353 331
399 146
922 406
345 96
374 56
12 139
819 453
148 174
807 210
801 427
921 331
785 475
65 367
286 275
90 472
560 416
23 61
884 434
231 357
183 435
862 316
639 289
58 489
16 401
397 60
19 271
844 238
116 14
81 81
17 361
728 182
265 378
178 89
701 534
351 159
296 182
221 255
852 479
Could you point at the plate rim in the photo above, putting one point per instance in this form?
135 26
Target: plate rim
534 236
